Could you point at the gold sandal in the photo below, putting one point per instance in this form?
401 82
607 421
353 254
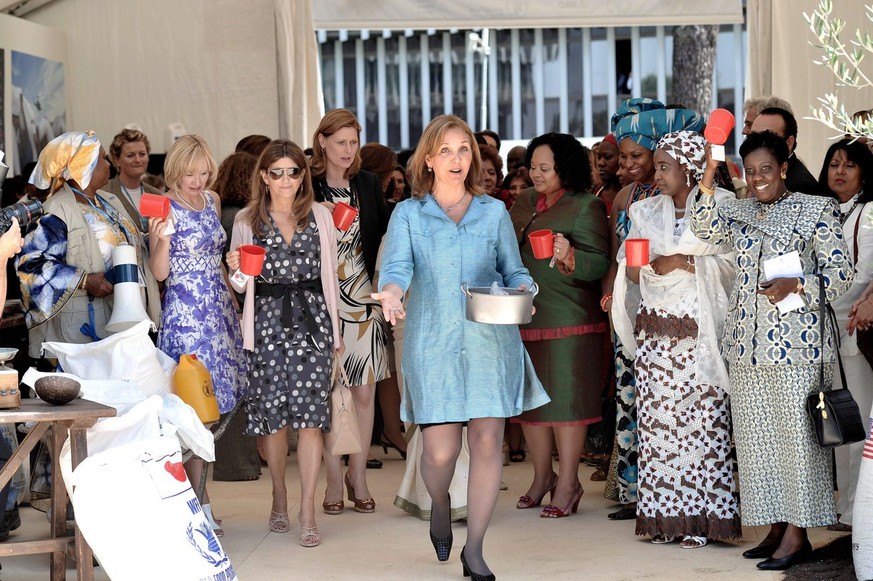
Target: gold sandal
279 522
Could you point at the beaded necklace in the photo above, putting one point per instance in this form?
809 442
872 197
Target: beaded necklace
102 207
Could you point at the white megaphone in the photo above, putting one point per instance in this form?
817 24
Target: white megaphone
127 307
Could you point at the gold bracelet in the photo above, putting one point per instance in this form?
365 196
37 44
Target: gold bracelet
706 190
799 289
84 282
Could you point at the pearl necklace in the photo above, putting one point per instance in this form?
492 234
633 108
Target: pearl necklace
452 207
193 209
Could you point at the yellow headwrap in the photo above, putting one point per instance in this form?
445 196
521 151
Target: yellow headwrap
73 155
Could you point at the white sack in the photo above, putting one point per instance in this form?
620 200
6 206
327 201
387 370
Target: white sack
168 537
128 355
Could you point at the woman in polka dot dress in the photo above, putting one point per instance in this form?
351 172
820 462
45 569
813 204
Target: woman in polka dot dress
290 324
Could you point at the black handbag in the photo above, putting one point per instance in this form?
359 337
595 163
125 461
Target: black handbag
835 414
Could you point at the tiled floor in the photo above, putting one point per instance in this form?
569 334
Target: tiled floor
390 544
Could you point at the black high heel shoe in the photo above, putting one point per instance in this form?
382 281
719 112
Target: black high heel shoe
761 551
798 556
443 546
386 443
472 574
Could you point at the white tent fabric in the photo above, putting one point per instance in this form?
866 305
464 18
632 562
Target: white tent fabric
760 38
210 65
301 104
791 72
400 14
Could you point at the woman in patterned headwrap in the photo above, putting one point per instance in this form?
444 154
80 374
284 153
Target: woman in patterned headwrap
638 125
686 486
64 260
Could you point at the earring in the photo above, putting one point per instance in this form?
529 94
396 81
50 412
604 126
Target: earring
688 179
783 175
429 169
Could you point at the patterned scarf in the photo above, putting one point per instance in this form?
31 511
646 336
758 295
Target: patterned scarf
72 155
688 148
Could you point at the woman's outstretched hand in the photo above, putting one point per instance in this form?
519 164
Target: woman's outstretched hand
392 306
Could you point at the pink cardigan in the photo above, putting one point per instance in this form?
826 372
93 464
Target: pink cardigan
242 234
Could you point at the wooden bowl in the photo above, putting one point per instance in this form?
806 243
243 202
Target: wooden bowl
57 390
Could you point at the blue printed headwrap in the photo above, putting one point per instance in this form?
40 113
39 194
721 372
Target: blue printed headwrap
645 121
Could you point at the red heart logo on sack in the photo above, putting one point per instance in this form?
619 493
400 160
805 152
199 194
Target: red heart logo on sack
176 469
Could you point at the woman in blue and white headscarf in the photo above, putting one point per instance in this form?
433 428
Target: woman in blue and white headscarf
62 266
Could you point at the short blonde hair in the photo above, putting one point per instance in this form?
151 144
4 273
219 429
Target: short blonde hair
127 136
183 157
428 146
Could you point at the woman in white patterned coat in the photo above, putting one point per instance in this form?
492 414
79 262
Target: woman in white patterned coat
773 356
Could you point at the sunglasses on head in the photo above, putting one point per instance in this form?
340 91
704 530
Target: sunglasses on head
277 173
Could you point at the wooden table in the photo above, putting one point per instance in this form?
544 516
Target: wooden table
74 417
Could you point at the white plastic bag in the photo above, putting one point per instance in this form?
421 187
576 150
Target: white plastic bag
164 533
128 355
862 513
142 423
191 430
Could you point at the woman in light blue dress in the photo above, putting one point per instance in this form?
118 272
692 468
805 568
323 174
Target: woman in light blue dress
456 371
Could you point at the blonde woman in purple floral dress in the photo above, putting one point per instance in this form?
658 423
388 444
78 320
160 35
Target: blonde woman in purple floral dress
198 315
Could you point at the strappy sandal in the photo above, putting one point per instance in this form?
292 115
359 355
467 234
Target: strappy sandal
213 522
335 507
279 522
693 542
309 537
663 539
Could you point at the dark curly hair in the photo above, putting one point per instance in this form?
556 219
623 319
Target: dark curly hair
858 153
766 140
572 163
234 182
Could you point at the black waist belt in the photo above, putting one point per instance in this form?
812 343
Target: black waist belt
265 289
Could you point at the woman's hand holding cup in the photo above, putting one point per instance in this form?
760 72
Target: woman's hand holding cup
232 259
158 227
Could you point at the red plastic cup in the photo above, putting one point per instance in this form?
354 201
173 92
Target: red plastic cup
251 259
542 242
718 128
636 251
343 216
154 206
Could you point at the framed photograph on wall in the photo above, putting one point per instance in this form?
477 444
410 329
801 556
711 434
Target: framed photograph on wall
39 112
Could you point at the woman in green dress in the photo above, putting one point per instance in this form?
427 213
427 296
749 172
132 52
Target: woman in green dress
568 322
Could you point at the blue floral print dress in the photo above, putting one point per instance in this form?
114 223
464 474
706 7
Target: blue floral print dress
198 316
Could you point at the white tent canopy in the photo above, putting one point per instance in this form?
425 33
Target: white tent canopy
402 14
